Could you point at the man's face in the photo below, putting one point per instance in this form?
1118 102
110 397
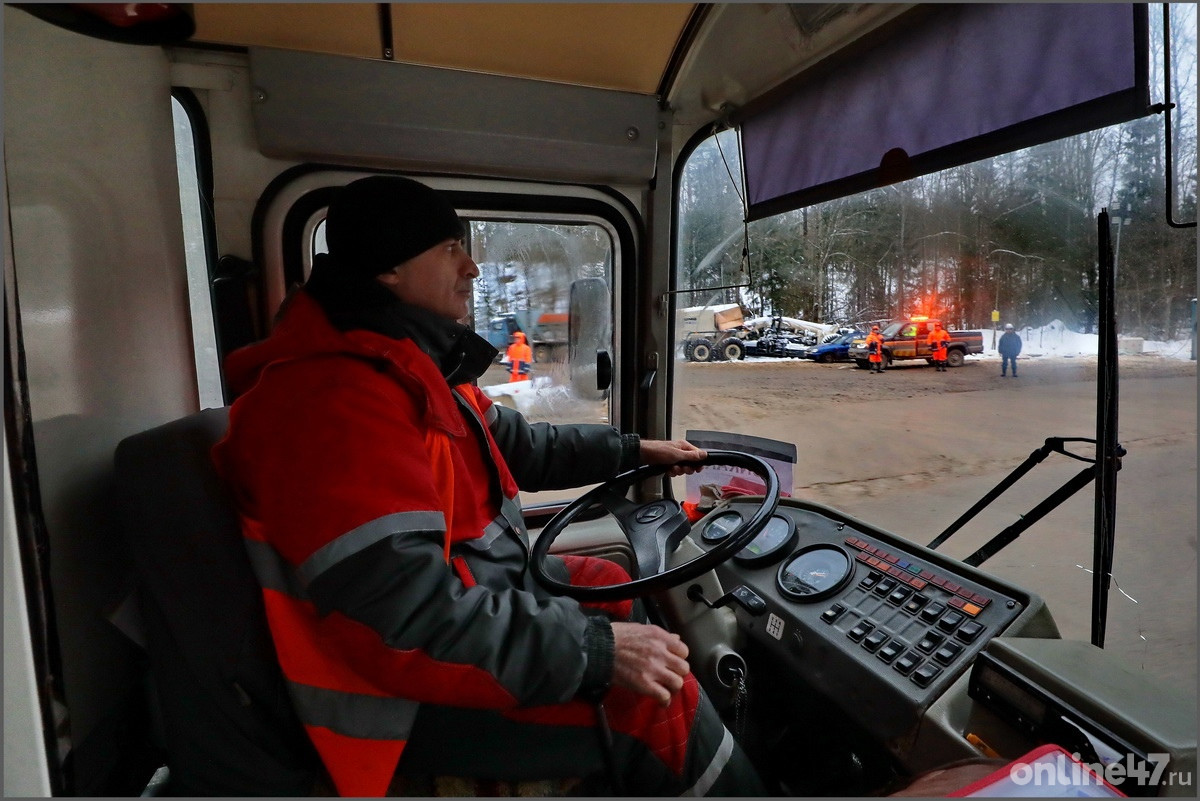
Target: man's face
438 280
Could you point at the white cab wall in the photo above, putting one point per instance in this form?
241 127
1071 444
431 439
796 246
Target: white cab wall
98 252
25 771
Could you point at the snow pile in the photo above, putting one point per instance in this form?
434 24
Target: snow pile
541 397
519 395
1057 339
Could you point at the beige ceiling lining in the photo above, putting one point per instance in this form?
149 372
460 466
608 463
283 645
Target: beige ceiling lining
624 46
349 29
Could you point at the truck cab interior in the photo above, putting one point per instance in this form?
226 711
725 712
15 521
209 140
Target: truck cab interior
168 168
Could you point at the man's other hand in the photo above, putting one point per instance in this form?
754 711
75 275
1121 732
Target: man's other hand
676 452
648 660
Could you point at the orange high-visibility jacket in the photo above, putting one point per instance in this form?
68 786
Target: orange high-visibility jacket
937 342
518 353
877 354
383 523
519 350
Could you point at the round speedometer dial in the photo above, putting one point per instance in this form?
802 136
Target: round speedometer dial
815 572
721 526
777 538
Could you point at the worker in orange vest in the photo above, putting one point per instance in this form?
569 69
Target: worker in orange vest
875 350
519 356
938 338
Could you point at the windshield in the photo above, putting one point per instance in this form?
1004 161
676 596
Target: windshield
1008 240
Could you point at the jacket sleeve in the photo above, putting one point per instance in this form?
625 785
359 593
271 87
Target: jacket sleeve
346 493
452 644
542 456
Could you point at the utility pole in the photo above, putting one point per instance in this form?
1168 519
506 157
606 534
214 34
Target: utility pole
1120 221
1193 329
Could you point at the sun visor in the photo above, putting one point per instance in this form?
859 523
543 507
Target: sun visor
336 109
967 83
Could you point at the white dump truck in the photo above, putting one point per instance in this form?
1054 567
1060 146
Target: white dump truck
712 333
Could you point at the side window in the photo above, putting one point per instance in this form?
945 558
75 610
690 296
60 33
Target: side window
909 331
526 274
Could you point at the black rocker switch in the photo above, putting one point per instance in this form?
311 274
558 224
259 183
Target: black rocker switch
750 600
742 595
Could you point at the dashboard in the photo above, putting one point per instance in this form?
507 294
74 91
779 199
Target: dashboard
878 624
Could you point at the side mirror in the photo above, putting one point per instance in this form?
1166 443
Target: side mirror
589 334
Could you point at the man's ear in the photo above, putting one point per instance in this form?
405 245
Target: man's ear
389 278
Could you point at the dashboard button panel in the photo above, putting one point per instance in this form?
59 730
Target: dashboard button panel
880 619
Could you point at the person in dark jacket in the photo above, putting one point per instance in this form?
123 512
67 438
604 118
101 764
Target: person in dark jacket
1010 348
378 491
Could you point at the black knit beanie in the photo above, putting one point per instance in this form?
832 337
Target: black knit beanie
379 222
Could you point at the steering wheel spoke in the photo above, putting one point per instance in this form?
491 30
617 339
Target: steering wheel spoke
613 500
654 530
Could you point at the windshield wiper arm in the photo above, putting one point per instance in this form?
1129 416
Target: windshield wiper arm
1051 445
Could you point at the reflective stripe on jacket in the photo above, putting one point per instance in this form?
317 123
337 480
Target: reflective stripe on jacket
384 526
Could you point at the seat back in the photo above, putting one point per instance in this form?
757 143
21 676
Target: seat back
228 725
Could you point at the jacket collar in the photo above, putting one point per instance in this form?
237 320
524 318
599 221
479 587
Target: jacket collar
305 332
365 304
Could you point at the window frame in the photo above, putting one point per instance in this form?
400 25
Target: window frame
290 209
205 328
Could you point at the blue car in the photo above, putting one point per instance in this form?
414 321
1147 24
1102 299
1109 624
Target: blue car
836 350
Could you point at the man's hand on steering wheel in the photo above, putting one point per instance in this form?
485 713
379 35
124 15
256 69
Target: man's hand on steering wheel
679 453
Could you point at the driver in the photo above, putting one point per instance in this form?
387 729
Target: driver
378 491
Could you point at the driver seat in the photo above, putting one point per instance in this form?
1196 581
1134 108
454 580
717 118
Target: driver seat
227 724
228 727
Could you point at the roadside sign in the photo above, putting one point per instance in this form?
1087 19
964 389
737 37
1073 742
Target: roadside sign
995 315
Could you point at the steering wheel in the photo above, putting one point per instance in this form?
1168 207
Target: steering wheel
654 529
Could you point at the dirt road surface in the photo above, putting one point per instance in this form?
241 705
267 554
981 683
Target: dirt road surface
911 449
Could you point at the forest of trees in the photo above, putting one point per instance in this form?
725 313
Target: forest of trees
1016 233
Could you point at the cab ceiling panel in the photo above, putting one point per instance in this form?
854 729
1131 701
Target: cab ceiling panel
621 46
350 29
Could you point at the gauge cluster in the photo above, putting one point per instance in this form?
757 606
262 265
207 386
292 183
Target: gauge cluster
879 624
777 538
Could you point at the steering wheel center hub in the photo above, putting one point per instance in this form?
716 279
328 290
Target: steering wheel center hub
651 513
654 529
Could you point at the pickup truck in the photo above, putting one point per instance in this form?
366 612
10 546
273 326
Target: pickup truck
909 339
